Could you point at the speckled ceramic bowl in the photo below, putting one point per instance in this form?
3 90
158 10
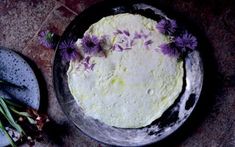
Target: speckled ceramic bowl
14 69
170 121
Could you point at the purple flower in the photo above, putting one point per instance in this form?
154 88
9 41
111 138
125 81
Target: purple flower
167 27
186 41
118 47
140 35
137 35
144 35
91 44
132 42
124 32
87 64
118 32
170 49
149 42
46 39
68 50
127 33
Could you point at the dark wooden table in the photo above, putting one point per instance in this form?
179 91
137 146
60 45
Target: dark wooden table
20 22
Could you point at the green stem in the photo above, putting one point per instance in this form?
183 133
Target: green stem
25 114
8 136
10 103
6 112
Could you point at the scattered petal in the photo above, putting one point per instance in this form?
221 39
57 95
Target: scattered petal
126 33
140 35
127 48
132 42
149 42
119 31
86 63
137 35
143 34
120 47
128 43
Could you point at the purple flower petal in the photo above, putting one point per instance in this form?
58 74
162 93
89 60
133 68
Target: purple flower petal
120 47
137 35
86 63
127 48
119 31
68 50
140 35
148 42
170 50
186 41
117 47
92 66
87 59
132 42
167 27
128 43
126 33
91 44
143 35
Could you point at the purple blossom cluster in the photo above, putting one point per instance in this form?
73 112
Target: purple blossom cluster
91 45
180 44
127 41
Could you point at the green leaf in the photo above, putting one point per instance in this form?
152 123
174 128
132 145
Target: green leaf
31 121
49 36
7 114
11 103
8 136
25 114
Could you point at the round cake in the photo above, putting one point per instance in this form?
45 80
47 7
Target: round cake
123 79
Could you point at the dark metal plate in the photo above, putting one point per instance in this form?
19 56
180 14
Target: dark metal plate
171 120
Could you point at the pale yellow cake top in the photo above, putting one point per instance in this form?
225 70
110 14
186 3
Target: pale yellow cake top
129 88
